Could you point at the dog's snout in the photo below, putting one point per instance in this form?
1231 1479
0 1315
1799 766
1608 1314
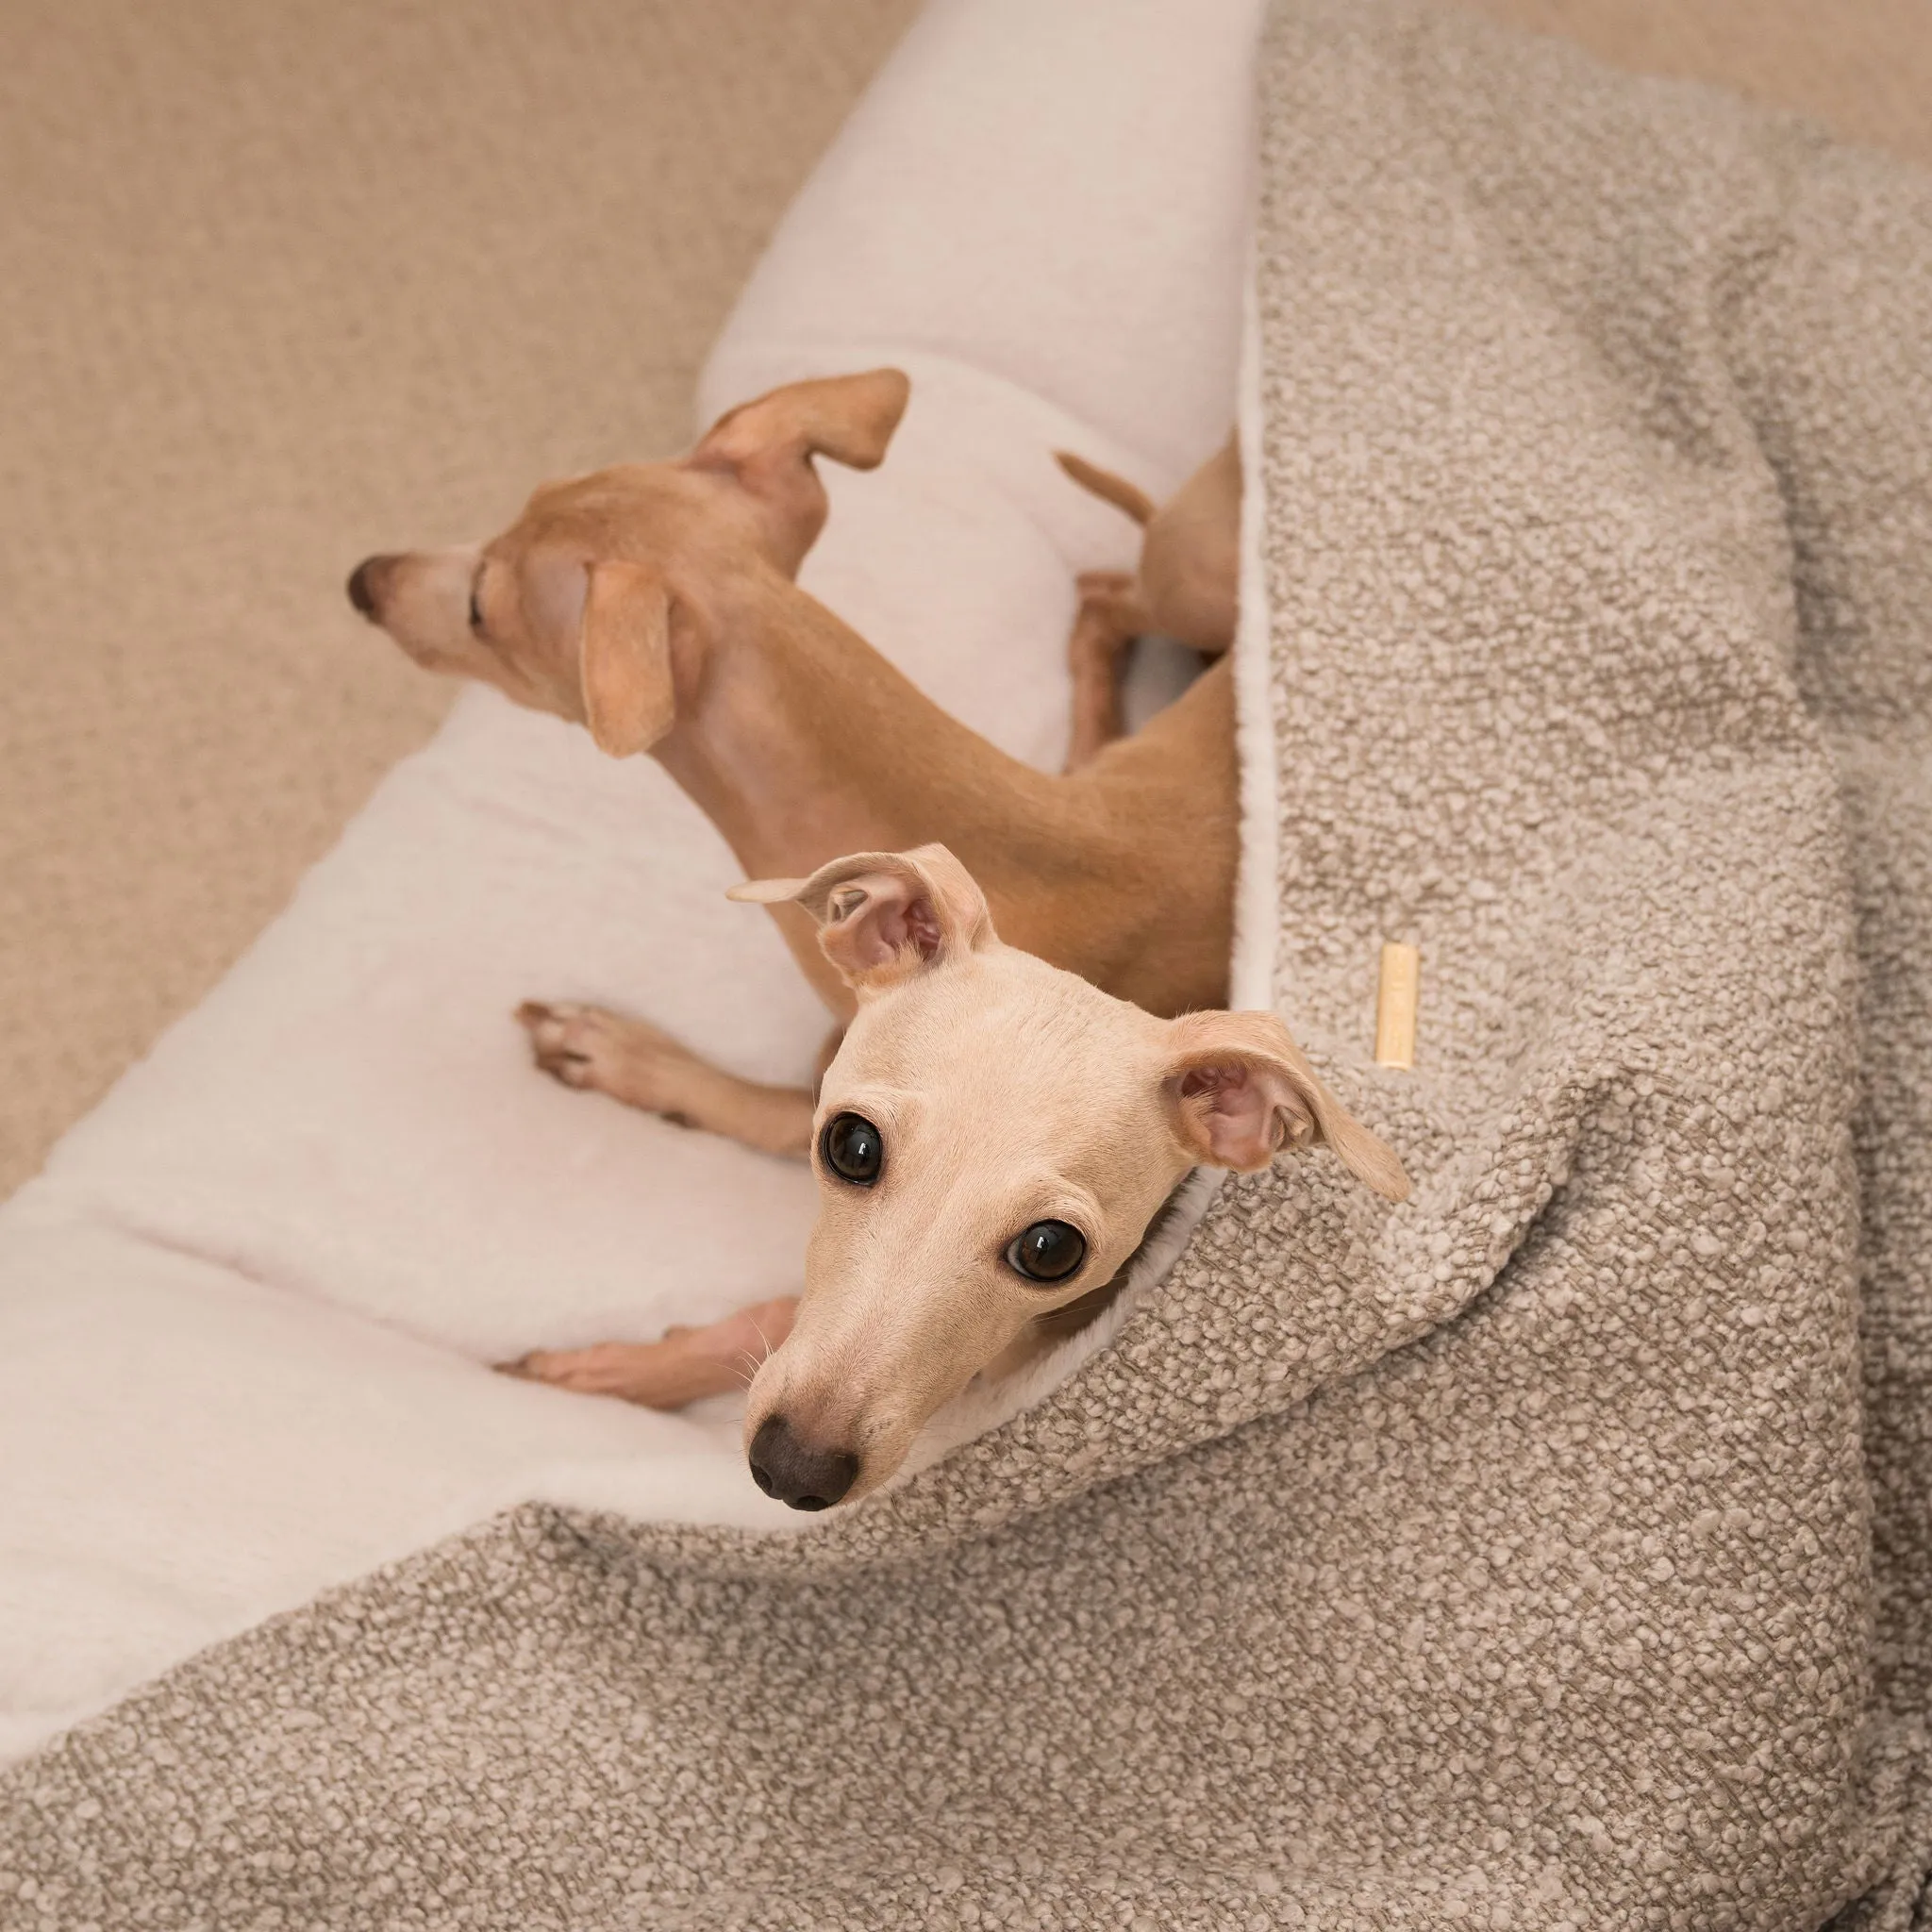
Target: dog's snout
797 1472
362 585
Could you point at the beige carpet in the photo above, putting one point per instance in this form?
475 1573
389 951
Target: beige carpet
281 285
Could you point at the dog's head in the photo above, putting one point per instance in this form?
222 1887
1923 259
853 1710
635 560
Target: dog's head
596 602
991 1141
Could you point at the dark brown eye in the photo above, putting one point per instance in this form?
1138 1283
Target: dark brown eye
854 1149
1047 1251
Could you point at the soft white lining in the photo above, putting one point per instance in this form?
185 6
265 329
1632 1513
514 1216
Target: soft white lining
1257 915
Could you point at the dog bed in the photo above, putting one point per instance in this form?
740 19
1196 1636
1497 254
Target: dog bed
1550 1550
246 1316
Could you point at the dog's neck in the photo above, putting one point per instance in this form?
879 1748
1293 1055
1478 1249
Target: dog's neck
799 743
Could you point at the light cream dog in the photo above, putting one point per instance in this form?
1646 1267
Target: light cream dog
994 1138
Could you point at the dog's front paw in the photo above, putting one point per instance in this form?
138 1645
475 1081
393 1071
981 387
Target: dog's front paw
682 1365
603 1052
609 1368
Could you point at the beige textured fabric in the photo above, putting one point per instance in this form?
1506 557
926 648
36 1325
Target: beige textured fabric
284 284
1504 1559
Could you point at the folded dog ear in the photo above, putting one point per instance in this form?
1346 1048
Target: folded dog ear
883 916
624 658
1239 1091
848 418
768 445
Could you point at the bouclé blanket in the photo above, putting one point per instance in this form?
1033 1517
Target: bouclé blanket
1550 1550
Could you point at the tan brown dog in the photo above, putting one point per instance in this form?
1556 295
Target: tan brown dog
655 604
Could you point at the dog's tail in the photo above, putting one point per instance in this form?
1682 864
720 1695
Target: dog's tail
1107 486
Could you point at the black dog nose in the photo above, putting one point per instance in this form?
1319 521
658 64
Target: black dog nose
361 594
808 1478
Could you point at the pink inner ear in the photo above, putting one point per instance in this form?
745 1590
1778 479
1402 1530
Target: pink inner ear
879 929
1238 1113
897 926
919 927
1218 1082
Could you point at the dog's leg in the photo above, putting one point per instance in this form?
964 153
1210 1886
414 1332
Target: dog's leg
683 1365
1112 613
632 1062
